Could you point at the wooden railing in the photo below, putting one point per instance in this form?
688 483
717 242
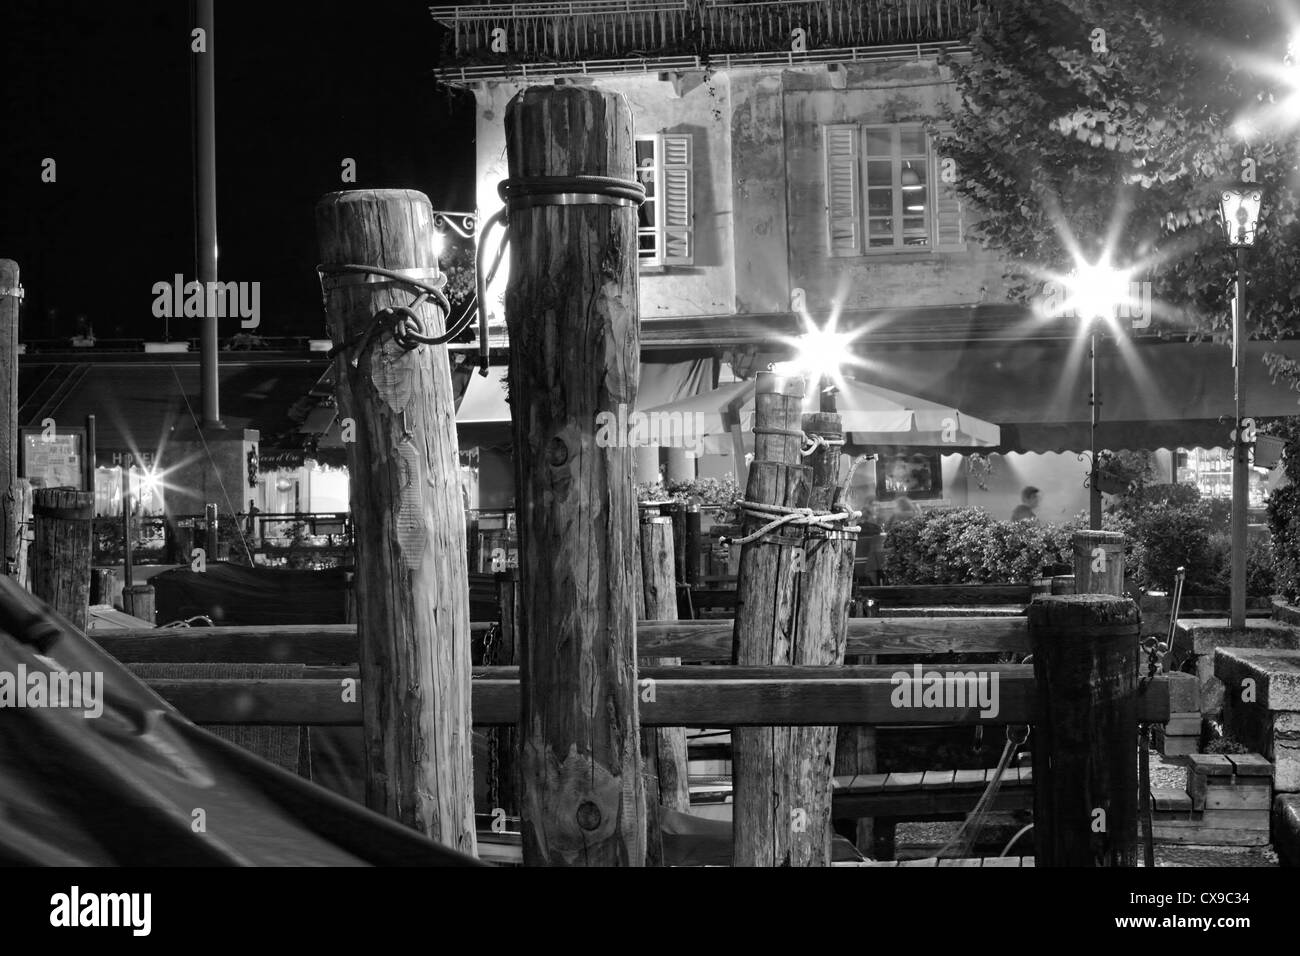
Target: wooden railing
607 30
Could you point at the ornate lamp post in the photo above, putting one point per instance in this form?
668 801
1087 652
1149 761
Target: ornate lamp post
1240 208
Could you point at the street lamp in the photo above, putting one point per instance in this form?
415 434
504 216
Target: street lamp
1240 209
1097 290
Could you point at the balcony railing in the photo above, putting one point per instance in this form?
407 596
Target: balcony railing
494 37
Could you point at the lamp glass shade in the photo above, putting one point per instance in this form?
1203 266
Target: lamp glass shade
1240 210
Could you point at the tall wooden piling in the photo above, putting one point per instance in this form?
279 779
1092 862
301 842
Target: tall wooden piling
821 634
766 824
571 315
1099 562
10 498
503 742
61 570
1084 744
412 584
663 748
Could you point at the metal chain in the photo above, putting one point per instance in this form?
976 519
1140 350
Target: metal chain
1156 649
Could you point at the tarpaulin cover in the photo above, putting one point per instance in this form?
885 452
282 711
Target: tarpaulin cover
237 595
141 785
697 841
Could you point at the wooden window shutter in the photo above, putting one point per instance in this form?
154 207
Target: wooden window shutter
678 211
843 192
949 210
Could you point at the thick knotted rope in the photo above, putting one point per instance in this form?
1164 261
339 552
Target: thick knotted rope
781 516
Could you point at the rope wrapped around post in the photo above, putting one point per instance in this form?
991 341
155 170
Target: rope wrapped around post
799 517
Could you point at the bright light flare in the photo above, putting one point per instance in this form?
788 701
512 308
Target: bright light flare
1098 290
821 352
439 243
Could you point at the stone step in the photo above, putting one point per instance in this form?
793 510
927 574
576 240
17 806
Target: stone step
1261 705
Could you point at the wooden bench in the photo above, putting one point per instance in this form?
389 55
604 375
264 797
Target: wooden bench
945 595
929 794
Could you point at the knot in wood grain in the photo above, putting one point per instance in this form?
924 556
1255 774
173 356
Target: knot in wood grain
557 452
588 815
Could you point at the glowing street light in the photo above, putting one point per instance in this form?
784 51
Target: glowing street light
1095 292
1240 208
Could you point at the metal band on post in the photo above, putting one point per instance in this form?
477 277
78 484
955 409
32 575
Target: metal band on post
531 191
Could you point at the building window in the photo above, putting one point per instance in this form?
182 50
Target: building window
884 194
666 224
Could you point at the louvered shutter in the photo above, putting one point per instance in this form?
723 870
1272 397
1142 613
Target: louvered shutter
678 214
843 193
949 211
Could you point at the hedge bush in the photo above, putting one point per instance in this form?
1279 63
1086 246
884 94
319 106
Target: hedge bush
969 546
1284 524
1165 527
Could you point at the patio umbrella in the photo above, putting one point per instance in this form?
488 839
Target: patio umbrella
871 415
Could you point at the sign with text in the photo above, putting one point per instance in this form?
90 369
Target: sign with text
54 458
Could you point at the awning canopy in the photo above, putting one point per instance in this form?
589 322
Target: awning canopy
870 415
485 396
1152 394
138 405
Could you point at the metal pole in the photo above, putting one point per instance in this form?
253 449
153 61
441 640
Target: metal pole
1240 466
91 462
205 186
127 558
1094 400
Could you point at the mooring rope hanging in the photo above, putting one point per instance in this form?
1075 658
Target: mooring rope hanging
963 841
401 321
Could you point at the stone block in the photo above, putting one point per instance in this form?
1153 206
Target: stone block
1286 828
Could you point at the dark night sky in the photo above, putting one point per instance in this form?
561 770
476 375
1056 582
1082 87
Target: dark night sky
104 89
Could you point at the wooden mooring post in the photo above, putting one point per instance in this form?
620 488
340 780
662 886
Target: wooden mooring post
571 315
61 569
1084 744
665 764
821 634
10 497
769 817
503 742
1099 562
412 584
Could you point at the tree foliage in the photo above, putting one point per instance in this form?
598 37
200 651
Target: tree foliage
1114 123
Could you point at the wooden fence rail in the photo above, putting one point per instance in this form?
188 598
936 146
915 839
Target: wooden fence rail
717 697
692 641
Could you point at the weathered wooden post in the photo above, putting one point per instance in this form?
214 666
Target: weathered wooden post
503 742
138 600
212 537
61 574
1099 562
767 826
10 296
822 626
574 353
412 582
1084 744
663 748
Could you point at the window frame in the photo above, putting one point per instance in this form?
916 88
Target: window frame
661 229
928 164
898 213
